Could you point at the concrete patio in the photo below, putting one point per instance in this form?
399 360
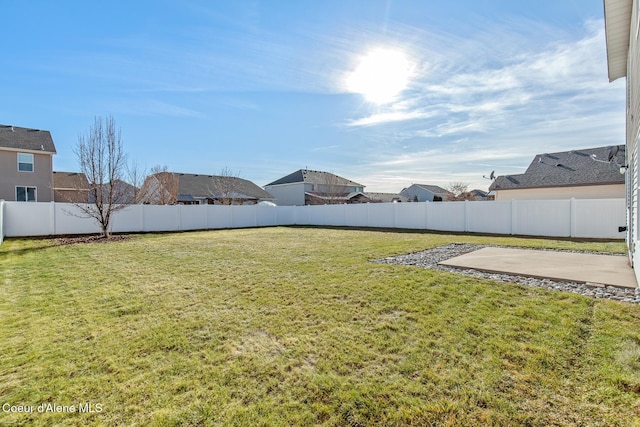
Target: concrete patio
561 266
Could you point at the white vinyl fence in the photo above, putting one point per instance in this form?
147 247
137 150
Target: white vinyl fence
1 221
554 218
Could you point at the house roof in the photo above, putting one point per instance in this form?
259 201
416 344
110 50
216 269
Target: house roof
386 197
337 197
314 177
18 138
479 193
433 189
219 186
617 22
568 168
70 181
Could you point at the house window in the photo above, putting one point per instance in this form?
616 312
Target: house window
25 162
26 194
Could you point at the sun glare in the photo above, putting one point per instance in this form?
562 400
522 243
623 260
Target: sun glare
380 75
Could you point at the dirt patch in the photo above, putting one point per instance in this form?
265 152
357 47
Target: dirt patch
72 240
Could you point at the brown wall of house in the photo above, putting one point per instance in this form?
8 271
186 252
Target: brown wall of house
41 177
71 196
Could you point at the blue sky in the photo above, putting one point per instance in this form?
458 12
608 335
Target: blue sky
262 87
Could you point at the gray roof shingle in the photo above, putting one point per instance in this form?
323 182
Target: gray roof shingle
314 177
212 185
434 189
18 138
567 168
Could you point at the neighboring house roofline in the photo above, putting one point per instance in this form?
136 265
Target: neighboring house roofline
26 150
205 186
16 138
573 168
283 185
313 177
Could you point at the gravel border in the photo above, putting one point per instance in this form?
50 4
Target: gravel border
431 257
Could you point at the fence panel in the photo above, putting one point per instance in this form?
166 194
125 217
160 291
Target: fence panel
302 215
161 218
28 219
599 218
411 215
219 216
382 215
69 219
335 215
286 215
266 215
357 215
243 216
193 217
541 217
1 221
446 216
129 219
489 217
317 214
554 218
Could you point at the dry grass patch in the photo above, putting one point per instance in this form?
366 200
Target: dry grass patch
293 326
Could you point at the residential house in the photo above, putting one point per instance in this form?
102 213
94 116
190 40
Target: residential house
193 189
26 164
622 30
311 187
123 193
385 198
70 187
478 195
425 193
581 174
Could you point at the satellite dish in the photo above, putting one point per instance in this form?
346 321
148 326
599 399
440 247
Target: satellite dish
613 153
492 176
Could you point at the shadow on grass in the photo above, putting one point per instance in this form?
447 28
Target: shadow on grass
452 233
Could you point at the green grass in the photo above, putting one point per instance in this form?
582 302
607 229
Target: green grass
293 326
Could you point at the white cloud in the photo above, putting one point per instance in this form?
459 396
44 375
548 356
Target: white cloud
481 108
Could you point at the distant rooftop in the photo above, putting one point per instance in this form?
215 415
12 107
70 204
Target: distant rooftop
588 166
18 138
314 177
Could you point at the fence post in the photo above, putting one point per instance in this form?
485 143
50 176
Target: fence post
1 221
52 218
466 216
514 216
572 217
427 214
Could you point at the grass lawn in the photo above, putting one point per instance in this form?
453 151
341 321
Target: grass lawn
293 326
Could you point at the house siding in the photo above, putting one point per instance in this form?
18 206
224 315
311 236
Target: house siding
616 191
288 194
414 190
41 177
633 136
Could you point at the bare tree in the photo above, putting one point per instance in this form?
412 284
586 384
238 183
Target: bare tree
334 190
161 187
103 161
329 190
458 192
137 177
224 187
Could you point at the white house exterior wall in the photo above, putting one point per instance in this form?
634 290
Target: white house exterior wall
288 194
633 135
616 191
